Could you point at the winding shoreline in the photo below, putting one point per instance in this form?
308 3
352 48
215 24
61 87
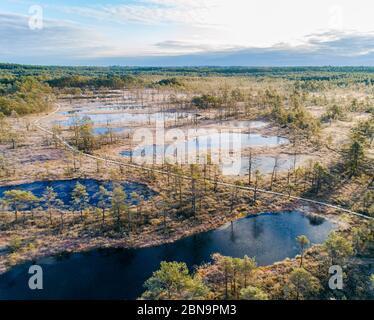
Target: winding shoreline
80 245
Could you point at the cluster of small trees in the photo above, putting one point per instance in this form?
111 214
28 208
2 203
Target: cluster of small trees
26 95
173 281
115 201
190 197
225 102
83 137
8 135
355 153
235 278
333 112
206 101
169 82
295 116
106 81
236 274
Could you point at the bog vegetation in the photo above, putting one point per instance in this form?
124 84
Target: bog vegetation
306 105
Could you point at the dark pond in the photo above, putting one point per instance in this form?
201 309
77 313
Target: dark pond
64 188
120 273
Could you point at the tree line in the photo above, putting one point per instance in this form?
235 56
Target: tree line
24 96
121 206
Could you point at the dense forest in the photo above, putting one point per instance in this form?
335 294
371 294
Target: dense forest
26 89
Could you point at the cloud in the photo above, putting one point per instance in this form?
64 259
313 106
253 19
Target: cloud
176 46
61 42
150 12
329 48
346 44
56 40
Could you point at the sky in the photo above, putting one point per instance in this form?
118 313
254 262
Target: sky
187 32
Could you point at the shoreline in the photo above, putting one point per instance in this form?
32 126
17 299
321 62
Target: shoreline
96 243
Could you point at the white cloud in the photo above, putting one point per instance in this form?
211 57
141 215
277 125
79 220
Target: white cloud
239 30
176 46
189 12
239 22
56 37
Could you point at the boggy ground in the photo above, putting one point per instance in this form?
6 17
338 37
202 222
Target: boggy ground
33 236
37 158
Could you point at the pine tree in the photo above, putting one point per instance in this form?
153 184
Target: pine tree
118 203
51 201
303 242
80 198
18 200
103 198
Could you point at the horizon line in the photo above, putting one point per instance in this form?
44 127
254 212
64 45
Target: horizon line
185 66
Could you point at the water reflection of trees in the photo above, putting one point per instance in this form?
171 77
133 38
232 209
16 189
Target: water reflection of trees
257 228
193 250
315 220
233 237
